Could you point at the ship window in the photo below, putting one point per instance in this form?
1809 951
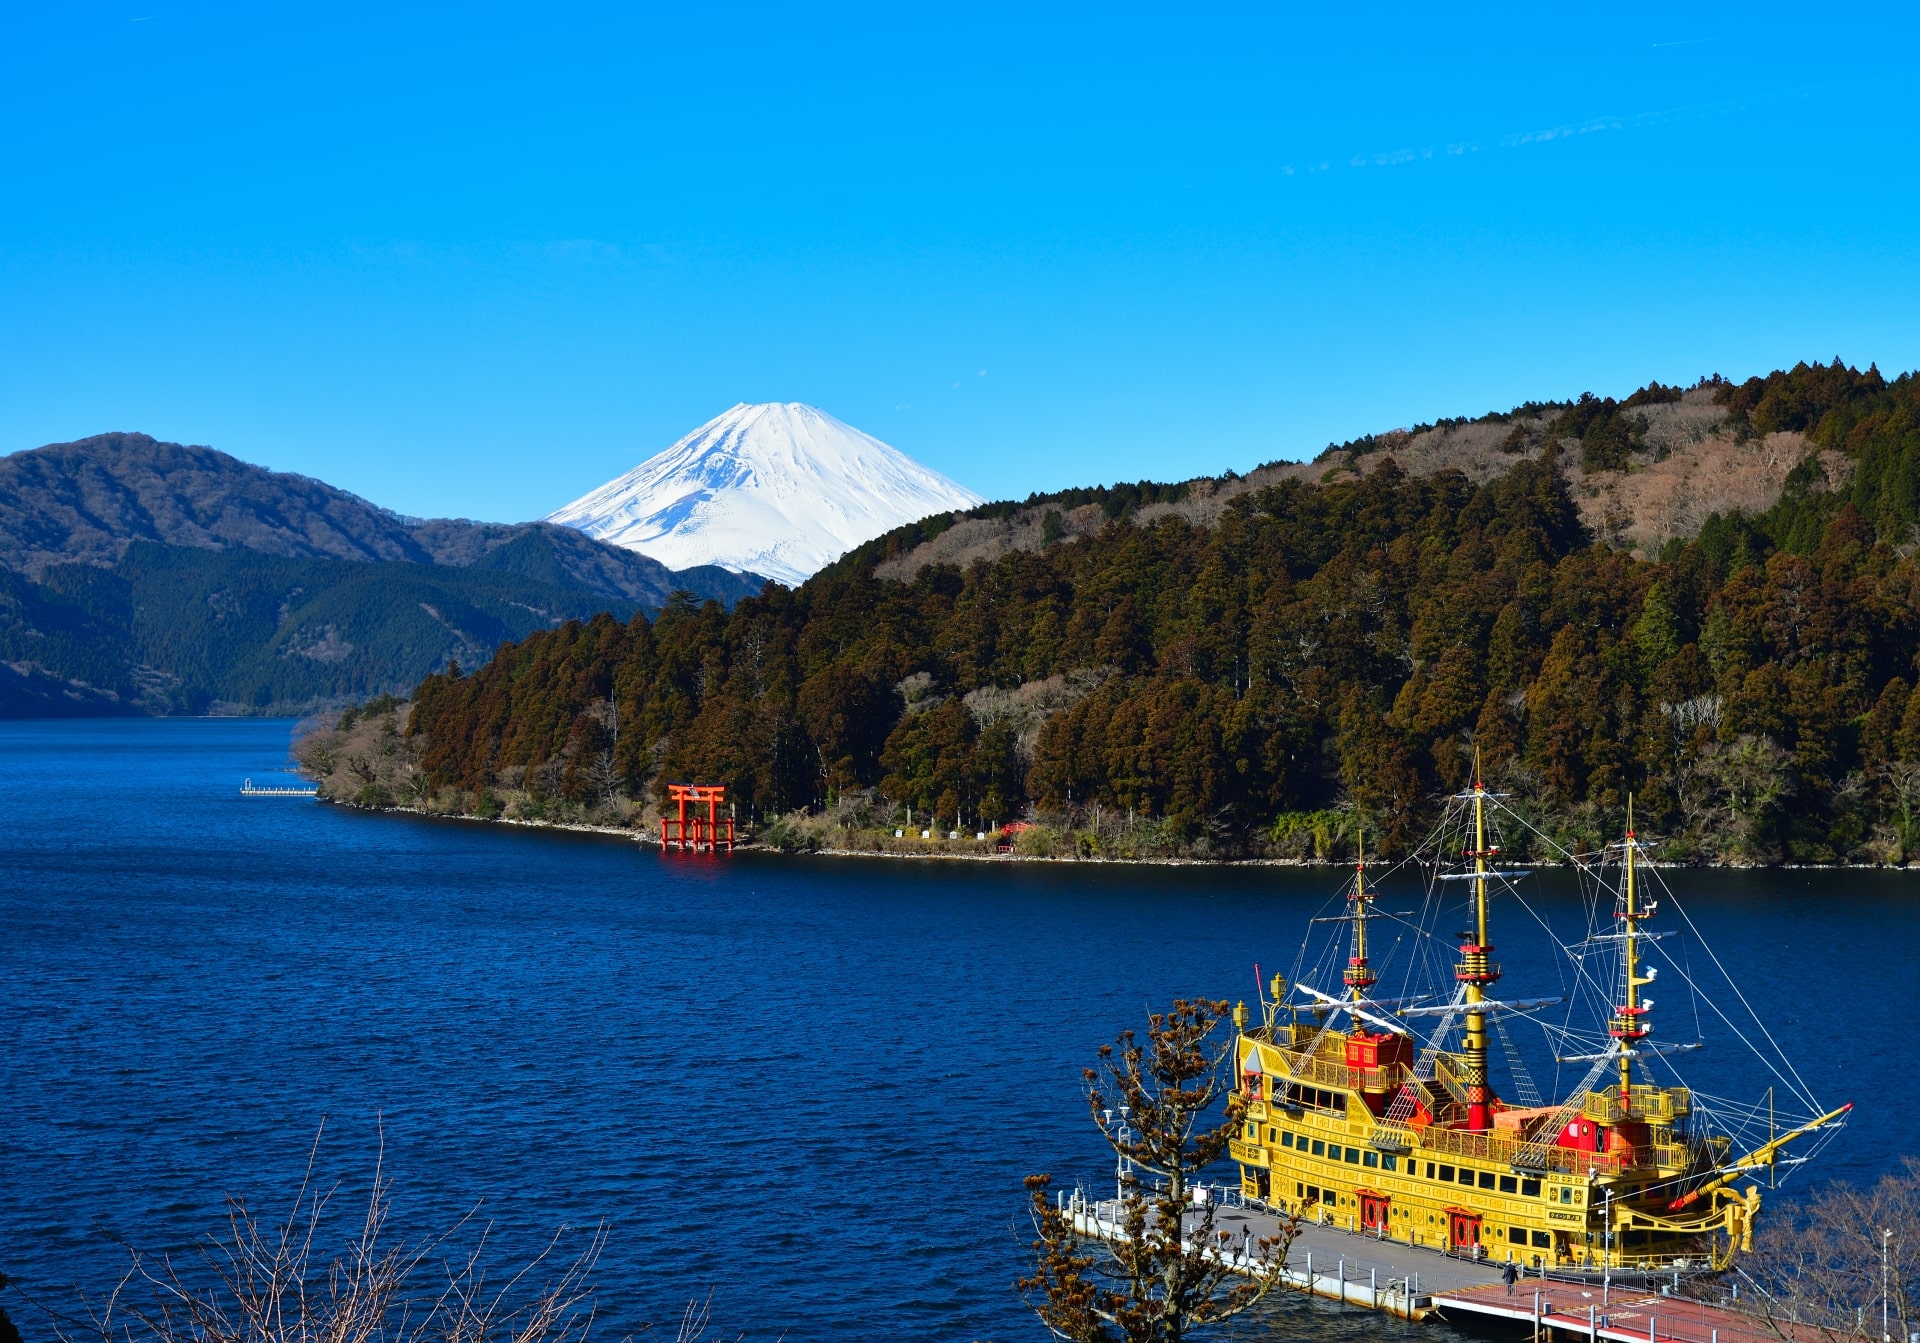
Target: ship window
1530 1188
1353 1156
1543 1240
1517 1234
1286 1139
1319 1148
1566 1193
1430 1174
1370 1158
1486 1179
1446 1172
1253 1132
1390 1162
1509 1184
1299 1189
1273 1136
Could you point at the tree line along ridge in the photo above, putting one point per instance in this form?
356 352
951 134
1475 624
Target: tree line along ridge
1324 655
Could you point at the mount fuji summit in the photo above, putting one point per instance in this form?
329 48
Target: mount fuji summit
779 490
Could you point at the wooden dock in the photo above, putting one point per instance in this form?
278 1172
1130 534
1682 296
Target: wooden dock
1559 1311
251 789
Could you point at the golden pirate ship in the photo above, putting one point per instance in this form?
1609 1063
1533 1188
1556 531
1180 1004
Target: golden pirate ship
1356 1116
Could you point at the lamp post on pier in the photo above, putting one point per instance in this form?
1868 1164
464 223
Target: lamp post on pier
1120 1135
1606 1257
1886 1243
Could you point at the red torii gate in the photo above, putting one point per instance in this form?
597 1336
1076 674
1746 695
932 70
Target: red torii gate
711 832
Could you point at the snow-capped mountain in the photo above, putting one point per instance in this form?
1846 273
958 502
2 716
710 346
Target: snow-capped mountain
780 489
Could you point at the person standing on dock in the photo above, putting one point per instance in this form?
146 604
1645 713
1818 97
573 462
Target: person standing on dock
1509 1275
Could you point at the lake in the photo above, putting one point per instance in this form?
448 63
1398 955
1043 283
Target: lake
811 1086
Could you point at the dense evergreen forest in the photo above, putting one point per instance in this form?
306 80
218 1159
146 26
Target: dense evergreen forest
1326 653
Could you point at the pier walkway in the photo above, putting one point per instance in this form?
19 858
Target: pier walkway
1571 1311
1349 1266
1416 1281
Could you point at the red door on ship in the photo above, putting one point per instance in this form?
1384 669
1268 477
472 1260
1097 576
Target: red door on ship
1463 1231
1373 1211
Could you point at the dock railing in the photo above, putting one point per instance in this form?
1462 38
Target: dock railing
251 789
1398 1294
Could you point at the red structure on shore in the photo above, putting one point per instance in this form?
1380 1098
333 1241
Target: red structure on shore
711 832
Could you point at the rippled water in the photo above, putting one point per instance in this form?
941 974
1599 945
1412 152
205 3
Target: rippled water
812 1086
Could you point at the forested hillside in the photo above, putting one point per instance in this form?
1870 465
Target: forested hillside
146 577
1322 652
179 629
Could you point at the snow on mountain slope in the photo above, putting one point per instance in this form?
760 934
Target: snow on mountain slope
776 489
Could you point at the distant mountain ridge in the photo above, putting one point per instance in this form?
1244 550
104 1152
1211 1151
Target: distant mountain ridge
138 576
86 501
781 489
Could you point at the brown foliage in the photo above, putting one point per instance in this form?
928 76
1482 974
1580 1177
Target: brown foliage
1821 1272
276 1282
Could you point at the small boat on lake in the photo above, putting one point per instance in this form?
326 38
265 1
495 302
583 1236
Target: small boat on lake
1377 1110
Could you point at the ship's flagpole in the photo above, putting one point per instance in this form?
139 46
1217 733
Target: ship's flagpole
1477 970
1630 1025
1359 974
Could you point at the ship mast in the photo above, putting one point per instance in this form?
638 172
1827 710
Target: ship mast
1359 974
1476 970
1629 1024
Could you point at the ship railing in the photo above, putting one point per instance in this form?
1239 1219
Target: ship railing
1304 1067
1670 1155
1494 1149
1444 1075
1663 1106
1474 1146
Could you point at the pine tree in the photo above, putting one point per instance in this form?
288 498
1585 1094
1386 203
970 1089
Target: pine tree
1168 1272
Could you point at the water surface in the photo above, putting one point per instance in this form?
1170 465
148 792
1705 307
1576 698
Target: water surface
810 1085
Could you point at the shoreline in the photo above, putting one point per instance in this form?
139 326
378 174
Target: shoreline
642 837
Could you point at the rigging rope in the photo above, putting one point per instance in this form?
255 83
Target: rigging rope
1522 1079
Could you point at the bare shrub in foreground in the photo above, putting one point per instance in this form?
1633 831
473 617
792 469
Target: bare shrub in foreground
274 1282
1822 1273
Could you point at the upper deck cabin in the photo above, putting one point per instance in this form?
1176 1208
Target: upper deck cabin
1306 1065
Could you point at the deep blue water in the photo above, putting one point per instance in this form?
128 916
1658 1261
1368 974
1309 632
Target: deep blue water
811 1086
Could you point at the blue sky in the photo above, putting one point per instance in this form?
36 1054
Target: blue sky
475 260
